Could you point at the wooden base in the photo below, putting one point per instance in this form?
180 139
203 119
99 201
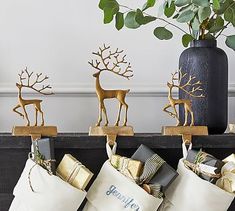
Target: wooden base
185 131
34 131
111 132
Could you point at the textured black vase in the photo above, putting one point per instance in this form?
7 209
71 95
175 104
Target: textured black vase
208 64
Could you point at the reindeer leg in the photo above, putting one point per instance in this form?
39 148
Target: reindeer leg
38 107
105 113
168 112
192 118
14 109
119 113
100 115
42 117
185 115
26 116
36 117
125 119
176 116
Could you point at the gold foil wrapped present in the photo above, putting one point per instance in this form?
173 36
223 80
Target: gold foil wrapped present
128 167
230 158
73 172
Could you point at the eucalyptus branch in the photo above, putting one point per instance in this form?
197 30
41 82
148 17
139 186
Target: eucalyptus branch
157 18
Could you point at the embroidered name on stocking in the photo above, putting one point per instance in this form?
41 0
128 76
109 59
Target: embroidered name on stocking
125 200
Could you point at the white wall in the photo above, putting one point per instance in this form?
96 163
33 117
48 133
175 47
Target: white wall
57 37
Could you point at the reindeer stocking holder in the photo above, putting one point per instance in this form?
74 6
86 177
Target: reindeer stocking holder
29 80
112 61
193 88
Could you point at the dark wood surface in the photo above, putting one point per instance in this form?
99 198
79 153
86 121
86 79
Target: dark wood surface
91 152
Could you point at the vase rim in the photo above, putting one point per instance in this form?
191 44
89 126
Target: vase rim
204 43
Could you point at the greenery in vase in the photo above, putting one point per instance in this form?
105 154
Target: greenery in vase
205 19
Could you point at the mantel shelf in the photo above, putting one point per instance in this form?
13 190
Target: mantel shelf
83 141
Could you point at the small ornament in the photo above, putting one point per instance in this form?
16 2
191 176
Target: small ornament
113 61
193 88
32 81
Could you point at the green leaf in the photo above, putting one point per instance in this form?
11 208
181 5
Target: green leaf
229 15
169 10
130 21
186 39
196 24
204 13
162 33
102 3
186 16
108 16
110 8
141 19
215 25
216 4
224 6
180 3
148 4
201 3
119 20
230 41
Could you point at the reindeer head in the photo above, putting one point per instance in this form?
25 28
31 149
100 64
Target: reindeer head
169 85
96 75
111 61
19 86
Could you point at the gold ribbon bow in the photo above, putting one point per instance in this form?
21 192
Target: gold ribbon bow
227 181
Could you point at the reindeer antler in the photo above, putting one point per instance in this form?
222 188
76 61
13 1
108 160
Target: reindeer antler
111 61
191 87
39 78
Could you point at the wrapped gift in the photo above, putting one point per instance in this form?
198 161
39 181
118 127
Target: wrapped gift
230 158
45 148
207 166
165 174
73 172
227 180
129 167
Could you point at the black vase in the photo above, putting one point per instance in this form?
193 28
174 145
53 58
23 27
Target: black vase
208 64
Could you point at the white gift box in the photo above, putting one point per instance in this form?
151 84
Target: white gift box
50 192
112 191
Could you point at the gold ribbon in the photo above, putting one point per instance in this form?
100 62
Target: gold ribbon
227 181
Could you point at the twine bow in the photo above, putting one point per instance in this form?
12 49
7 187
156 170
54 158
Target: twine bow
151 167
199 168
40 160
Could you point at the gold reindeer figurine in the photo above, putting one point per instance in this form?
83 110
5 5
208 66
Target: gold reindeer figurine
191 87
26 77
114 62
